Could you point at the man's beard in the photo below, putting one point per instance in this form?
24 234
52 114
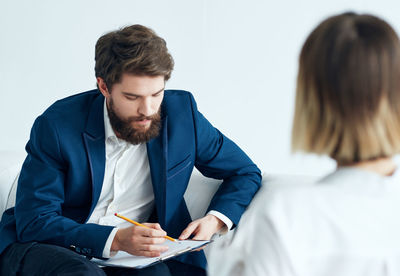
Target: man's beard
124 129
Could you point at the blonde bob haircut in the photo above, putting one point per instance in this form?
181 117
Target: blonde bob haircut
348 90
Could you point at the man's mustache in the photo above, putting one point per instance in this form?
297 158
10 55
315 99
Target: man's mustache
141 118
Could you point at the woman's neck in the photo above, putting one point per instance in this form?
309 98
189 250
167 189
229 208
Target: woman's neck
382 166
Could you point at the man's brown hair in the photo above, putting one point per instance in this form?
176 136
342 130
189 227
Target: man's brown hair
348 90
134 50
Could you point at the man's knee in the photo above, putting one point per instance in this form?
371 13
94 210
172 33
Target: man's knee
77 267
59 261
44 259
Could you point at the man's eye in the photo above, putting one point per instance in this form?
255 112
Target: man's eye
131 98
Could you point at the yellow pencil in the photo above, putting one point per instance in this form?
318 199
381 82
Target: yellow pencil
139 224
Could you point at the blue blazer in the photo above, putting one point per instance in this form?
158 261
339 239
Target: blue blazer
62 176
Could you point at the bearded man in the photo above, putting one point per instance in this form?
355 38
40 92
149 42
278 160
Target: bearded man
127 147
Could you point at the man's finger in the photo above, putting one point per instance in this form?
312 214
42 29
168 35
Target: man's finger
149 232
154 226
188 231
200 248
202 236
149 240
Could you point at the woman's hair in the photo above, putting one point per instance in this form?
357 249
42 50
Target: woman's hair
348 90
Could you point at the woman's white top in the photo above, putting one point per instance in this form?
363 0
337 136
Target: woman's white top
346 224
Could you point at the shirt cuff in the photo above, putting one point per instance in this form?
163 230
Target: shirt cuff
107 253
225 219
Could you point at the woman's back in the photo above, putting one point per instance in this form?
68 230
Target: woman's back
344 224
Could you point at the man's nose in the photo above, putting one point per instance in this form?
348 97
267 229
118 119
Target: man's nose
146 107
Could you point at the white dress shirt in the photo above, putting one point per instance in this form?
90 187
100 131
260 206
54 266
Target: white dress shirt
346 224
127 188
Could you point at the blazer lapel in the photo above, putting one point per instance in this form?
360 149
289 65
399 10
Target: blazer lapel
94 142
157 154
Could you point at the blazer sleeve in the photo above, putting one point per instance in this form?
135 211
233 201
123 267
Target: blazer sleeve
220 158
40 196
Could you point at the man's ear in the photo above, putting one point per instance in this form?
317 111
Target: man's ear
103 87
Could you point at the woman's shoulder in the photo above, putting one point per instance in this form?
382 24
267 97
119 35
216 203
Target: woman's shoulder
288 199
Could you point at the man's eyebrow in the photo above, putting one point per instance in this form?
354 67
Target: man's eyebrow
136 95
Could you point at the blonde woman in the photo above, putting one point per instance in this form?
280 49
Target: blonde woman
347 107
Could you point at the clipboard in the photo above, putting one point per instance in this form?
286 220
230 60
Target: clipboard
123 259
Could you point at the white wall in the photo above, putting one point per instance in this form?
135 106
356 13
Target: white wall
239 58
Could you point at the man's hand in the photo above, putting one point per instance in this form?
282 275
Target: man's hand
202 229
140 241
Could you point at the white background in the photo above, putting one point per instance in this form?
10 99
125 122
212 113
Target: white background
238 58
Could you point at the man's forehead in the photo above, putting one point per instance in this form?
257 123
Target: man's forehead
140 85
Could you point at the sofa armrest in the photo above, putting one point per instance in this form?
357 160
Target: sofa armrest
199 193
10 166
